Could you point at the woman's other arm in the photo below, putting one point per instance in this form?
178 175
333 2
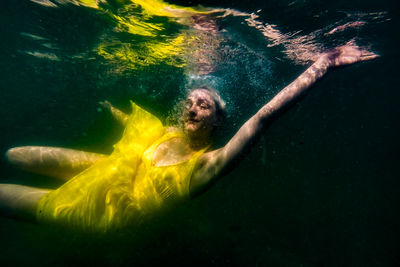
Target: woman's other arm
119 115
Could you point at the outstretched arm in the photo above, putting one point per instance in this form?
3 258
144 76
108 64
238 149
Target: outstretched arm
216 163
119 115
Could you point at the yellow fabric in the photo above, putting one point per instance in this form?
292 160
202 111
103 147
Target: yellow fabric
125 188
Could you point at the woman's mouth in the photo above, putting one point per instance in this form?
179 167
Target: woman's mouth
192 121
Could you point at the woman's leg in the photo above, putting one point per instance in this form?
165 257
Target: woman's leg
19 201
52 161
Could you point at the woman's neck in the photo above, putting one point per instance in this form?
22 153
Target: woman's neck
197 142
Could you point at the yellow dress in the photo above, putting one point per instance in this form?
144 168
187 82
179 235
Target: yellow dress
125 188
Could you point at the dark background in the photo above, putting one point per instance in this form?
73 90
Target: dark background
319 189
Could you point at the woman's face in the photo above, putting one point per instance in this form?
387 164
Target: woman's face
200 113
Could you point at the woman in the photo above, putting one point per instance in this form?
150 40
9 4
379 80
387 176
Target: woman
152 167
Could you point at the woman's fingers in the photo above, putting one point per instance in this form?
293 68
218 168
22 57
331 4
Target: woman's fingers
350 53
367 55
105 104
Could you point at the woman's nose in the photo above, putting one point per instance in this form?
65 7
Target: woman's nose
192 110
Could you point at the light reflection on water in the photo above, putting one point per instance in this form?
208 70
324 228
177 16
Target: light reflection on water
217 47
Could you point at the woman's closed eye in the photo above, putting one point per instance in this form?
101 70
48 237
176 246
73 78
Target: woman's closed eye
204 106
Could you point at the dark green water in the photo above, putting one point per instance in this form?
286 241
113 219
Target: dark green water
320 189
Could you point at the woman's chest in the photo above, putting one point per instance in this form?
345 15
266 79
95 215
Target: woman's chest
170 152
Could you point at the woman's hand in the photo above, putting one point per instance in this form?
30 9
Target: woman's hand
105 104
348 54
116 113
